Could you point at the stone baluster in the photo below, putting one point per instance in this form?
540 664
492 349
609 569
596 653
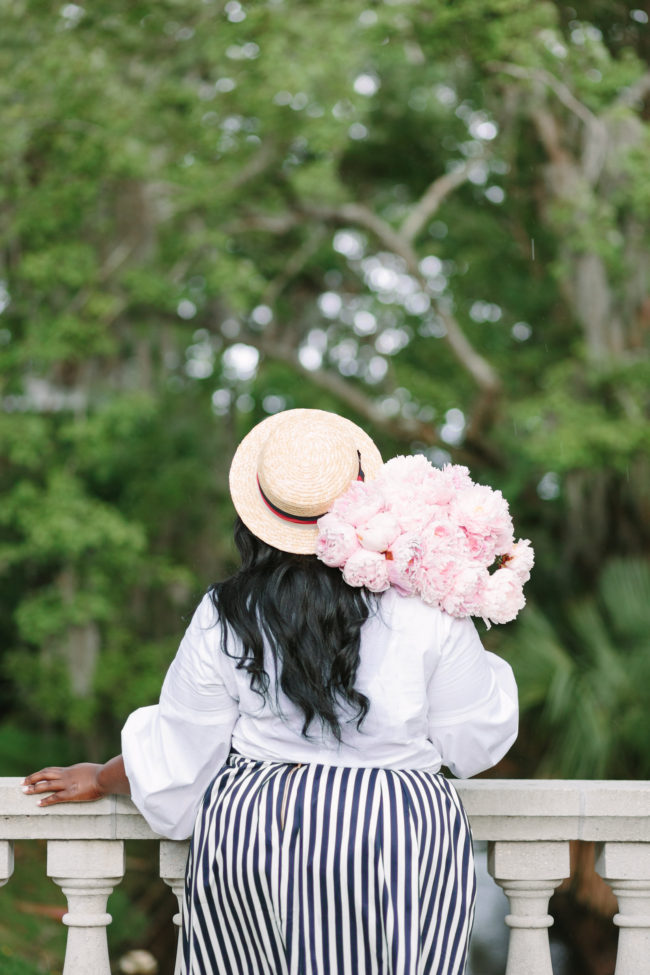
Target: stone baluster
173 857
626 868
87 871
529 872
6 861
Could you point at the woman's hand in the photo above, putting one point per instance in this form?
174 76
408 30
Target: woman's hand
76 783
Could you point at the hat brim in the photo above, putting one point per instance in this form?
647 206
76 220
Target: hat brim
245 493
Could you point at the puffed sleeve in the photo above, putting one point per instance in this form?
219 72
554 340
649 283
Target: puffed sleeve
173 750
473 707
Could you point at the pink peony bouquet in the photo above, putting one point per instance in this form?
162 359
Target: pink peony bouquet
432 533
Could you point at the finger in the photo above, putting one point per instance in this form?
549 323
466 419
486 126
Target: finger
65 795
42 785
53 799
53 785
45 773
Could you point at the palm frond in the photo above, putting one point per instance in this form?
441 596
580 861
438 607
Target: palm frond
584 680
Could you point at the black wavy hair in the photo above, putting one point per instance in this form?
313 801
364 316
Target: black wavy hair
311 621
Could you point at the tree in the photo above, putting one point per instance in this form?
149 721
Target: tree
434 221
437 226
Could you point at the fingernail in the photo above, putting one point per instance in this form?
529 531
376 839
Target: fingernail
40 803
26 788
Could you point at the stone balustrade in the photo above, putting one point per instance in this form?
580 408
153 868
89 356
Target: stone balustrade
527 824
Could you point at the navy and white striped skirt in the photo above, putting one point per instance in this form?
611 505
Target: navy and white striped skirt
323 870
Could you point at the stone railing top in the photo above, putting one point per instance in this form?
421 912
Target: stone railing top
112 818
499 809
554 809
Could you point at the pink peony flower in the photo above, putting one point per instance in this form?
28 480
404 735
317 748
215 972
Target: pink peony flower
458 476
465 596
443 556
520 559
440 533
358 503
367 569
440 489
484 512
502 597
443 536
413 470
378 533
483 550
432 584
412 511
405 481
337 540
403 559
434 581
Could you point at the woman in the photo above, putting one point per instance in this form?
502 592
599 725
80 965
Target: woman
299 737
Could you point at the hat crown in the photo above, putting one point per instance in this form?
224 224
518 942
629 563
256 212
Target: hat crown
289 469
305 465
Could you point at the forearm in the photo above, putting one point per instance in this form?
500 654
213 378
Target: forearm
111 777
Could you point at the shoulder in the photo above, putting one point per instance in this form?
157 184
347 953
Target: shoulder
425 626
200 656
202 635
411 613
205 616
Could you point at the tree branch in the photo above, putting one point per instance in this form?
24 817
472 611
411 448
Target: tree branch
357 214
402 428
257 164
293 266
549 135
478 367
595 143
431 199
280 223
632 96
362 216
564 94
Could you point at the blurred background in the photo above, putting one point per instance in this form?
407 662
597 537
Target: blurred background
432 217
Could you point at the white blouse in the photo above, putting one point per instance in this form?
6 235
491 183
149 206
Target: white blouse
436 698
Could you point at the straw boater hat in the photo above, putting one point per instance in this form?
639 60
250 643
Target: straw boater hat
290 468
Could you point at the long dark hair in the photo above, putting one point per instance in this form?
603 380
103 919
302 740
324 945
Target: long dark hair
311 621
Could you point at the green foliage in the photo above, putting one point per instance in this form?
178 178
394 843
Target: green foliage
131 677
129 921
12 965
172 179
45 689
582 419
61 523
32 938
22 747
584 678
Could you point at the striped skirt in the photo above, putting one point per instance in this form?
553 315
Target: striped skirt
323 870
